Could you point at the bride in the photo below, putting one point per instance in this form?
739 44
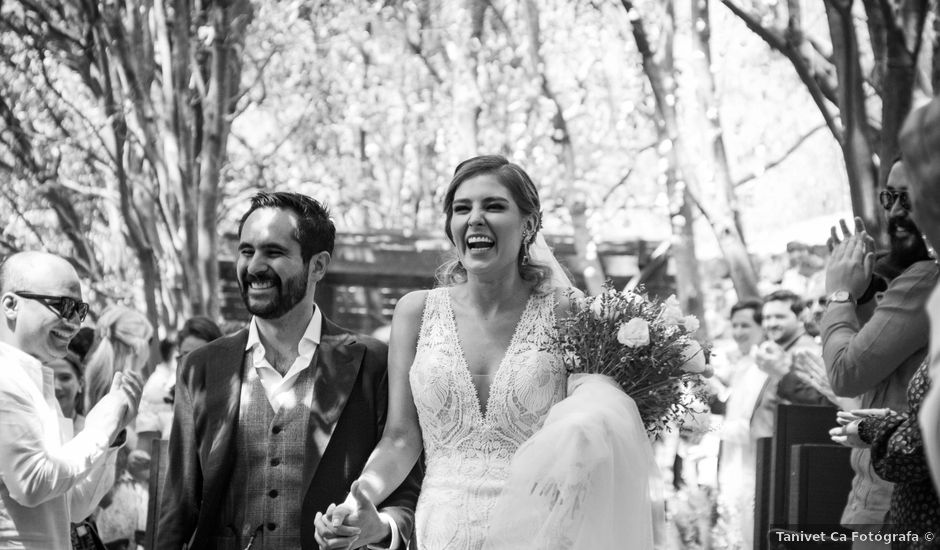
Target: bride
510 463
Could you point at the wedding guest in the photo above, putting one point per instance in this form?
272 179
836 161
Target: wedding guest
47 476
156 405
897 456
69 383
919 140
122 345
743 424
782 322
876 358
271 424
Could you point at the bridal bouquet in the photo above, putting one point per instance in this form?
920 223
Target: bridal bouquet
645 345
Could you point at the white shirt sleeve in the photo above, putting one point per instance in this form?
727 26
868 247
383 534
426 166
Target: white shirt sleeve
35 466
396 535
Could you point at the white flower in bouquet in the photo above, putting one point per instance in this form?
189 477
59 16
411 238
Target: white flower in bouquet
634 333
671 313
694 357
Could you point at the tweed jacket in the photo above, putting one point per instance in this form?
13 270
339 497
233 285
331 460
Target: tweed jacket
347 418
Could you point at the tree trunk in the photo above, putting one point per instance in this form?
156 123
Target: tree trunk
587 262
657 66
720 208
466 93
857 151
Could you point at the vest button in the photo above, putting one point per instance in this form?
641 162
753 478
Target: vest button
272 526
276 430
275 461
272 493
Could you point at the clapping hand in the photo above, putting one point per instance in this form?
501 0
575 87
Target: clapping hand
773 359
127 386
847 431
352 524
850 260
119 406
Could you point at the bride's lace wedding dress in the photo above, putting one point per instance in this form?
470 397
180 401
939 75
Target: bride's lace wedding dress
468 451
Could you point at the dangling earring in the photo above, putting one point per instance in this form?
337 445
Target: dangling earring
525 246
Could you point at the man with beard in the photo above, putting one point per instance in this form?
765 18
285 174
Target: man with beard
273 423
874 359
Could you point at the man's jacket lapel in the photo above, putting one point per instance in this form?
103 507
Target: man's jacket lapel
337 364
223 396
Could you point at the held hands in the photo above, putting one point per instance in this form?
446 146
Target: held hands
850 260
352 524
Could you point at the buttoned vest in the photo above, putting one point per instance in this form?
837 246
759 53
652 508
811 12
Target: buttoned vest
264 497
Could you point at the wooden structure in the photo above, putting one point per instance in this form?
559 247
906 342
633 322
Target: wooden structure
803 479
370 272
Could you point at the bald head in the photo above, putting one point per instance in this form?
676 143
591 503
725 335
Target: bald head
33 287
24 270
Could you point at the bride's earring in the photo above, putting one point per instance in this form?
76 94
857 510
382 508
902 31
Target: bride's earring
526 236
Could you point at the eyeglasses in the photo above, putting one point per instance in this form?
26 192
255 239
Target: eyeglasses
63 306
887 199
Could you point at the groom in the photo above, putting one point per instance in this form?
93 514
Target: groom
273 423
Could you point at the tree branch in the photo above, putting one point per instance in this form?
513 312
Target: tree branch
780 159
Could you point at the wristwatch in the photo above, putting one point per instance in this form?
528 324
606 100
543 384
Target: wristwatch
840 297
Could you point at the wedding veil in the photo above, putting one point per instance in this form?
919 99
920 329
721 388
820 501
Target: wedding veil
587 478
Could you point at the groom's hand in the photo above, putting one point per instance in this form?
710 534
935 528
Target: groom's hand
330 537
359 512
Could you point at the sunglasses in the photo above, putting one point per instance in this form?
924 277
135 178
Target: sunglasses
887 199
63 306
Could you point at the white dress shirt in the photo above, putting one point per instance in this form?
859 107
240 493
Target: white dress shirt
277 388
929 416
47 477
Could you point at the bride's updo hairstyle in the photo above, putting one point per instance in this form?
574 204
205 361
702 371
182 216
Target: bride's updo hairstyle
523 193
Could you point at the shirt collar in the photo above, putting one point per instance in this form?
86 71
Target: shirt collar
308 342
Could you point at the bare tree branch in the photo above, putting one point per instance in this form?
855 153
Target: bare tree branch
781 158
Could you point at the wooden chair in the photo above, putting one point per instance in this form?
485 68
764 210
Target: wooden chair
158 461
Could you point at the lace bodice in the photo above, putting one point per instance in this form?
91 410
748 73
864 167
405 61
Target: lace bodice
468 452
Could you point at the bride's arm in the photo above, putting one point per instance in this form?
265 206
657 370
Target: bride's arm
401 444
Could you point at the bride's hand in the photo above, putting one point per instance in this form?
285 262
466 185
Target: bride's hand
330 537
577 379
356 522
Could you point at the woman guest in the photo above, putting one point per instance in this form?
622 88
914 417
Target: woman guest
744 422
122 344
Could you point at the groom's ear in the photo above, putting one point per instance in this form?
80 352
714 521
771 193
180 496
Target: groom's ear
319 263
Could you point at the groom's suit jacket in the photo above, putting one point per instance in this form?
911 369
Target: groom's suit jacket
347 418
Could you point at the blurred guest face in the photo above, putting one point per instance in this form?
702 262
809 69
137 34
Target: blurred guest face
745 330
780 323
189 344
907 245
67 385
272 275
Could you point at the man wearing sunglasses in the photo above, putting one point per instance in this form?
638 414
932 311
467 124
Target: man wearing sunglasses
47 476
874 355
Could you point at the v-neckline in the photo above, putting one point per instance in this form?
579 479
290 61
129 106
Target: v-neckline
467 375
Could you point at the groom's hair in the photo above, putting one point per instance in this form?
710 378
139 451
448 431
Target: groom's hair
315 230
